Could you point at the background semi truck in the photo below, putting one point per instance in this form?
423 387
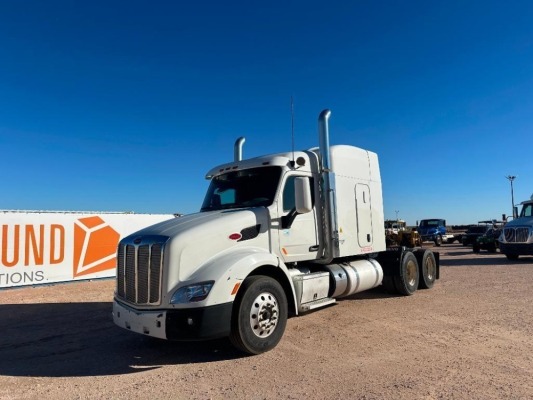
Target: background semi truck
516 238
434 230
276 236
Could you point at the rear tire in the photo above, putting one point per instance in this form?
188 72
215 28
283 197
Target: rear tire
259 315
406 282
438 240
475 248
427 267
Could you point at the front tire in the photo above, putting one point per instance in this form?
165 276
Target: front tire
438 240
259 315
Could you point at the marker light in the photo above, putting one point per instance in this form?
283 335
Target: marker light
192 293
235 236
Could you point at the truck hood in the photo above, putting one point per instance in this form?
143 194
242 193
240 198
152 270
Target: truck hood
427 230
524 221
197 238
176 226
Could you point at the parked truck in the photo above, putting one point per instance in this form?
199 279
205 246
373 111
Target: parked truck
434 230
276 236
516 238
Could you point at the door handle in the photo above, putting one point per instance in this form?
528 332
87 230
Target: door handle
313 248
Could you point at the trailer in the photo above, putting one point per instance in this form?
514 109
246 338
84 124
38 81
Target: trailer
276 236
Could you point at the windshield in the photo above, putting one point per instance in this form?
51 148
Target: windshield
247 188
430 222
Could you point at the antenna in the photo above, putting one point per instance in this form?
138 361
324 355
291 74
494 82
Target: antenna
292 129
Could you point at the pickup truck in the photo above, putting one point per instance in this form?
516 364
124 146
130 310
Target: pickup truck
473 233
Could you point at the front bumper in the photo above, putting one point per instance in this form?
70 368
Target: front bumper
470 239
184 324
524 249
429 238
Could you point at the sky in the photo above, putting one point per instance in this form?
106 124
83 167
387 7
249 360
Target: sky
124 106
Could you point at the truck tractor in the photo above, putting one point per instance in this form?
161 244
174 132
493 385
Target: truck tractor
276 236
434 230
516 238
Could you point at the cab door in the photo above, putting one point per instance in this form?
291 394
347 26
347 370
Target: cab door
298 239
364 215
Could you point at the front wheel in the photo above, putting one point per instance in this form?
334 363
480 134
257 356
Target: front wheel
259 315
438 240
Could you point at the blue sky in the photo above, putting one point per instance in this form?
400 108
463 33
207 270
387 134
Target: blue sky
124 106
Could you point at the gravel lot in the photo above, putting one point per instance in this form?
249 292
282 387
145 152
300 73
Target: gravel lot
470 337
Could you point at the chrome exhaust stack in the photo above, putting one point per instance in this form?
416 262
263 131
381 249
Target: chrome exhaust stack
237 149
330 247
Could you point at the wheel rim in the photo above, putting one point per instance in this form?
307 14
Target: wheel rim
430 268
412 272
264 315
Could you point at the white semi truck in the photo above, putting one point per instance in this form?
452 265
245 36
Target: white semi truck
516 238
276 236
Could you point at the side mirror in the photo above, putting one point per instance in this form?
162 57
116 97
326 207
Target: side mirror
302 195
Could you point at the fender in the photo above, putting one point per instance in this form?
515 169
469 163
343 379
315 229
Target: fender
229 269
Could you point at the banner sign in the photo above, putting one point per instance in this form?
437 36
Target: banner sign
46 247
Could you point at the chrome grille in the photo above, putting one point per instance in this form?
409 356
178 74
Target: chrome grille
139 269
516 235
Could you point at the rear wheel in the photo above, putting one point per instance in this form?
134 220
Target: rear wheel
259 315
406 282
427 268
438 240
476 248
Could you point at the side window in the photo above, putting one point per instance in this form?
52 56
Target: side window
288 194
289 201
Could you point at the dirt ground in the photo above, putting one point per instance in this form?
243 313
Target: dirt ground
470 337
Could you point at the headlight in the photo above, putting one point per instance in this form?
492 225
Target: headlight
192 293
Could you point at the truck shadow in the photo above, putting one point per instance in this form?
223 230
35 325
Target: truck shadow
80 339
371 294
488 259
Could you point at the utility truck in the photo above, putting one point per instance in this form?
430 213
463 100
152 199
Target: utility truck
516 238
276 236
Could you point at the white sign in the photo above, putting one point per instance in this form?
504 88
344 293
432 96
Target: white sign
47 247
